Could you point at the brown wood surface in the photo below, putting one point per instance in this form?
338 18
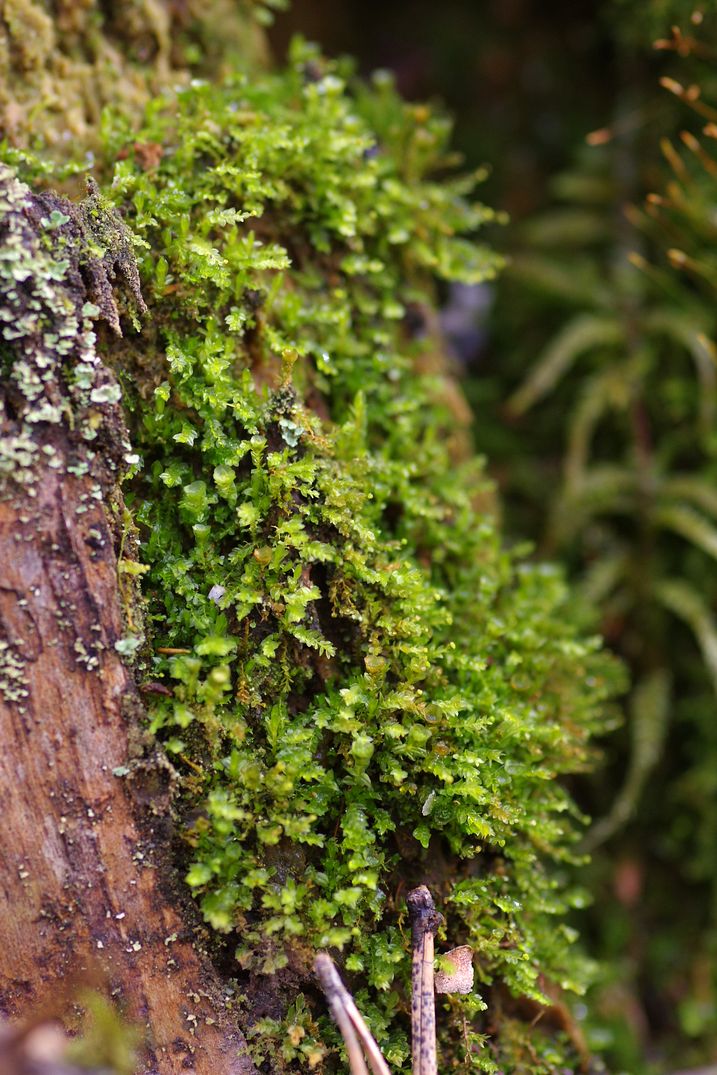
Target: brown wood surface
84 870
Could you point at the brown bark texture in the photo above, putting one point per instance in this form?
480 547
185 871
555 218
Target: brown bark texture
81 879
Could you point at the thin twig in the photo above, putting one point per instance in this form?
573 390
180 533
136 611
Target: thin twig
349 1020
425 921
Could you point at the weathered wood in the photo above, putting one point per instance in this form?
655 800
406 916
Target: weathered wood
425 921
83 867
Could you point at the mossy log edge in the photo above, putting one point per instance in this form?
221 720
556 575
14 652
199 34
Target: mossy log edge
87 887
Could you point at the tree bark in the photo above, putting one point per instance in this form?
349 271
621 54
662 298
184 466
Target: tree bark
81 867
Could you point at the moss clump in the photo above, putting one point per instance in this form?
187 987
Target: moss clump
368 689
61 63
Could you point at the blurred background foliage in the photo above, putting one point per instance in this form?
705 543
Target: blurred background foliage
592 370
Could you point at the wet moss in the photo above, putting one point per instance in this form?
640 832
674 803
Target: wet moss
367 688
363 688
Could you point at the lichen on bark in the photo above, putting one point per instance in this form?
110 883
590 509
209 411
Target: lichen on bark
58 261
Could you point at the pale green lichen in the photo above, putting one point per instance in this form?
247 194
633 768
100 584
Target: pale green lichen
54 257
13 680
87 656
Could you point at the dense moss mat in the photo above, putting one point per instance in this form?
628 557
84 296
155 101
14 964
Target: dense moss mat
369 688
359 685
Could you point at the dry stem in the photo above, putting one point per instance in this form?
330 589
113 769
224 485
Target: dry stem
425 921
349 1020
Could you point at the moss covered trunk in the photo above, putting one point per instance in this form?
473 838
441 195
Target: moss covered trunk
350 683
87 890
89 897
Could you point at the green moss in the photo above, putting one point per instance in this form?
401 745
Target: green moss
61 64
371 688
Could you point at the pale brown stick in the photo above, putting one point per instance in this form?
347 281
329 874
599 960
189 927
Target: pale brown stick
349 1020
326 974
425 921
